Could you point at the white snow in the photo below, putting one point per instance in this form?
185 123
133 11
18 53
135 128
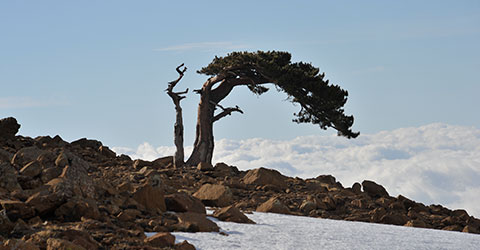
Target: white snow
275 231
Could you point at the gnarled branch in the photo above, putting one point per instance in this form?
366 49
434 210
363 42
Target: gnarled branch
226 111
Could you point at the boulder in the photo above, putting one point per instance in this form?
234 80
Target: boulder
87 144
60 244
393 218
232 214
161 240
327 179
184 246
470 229
8 127
17 209
31 169
273 205
373 189
163 162
183 202
416 223
18 244
26 155
204 166
263 176
75 209
195 222
128 215
8 177
357 188
44 202
307 206
6 224
5 156
107 152
150 197
214 195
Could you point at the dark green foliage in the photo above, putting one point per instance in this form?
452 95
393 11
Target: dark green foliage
321 103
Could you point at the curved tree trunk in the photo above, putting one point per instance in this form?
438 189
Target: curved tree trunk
204 143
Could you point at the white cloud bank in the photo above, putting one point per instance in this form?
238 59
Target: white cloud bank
433 164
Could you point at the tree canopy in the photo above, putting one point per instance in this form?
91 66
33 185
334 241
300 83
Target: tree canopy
321 103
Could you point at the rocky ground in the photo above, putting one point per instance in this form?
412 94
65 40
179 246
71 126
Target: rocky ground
81 195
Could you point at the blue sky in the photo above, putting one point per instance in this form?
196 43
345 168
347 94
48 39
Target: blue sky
98 69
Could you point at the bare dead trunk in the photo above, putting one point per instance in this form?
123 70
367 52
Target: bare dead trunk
178 159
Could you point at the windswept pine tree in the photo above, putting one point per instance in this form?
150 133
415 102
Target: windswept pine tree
321 103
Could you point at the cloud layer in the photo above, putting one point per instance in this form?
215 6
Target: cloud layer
433 164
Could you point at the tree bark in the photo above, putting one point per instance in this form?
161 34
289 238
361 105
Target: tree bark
178 159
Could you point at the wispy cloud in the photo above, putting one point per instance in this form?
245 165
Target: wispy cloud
436 163
28 102
203 46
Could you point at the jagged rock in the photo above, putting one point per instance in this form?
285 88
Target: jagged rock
232 214
6 224
416 223
60 244
32 169
26 155
47 141
184 246
139 164
8 127
62 160
164 239
87 144
18 244
394 219
75 209
183 202
163 162
273 205
263 176
307 206
5 156
457 228
20 229
327 203
78 237
150 197
107 152
8 177
50 173
360 203
373 189
470 229
214 195
17 209
328 179
195 222
128 215
357 188
204 166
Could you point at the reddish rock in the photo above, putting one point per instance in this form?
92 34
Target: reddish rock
470 229
232 214
457 228
184 246
163 162
373 189
214 195
307 206
183 202
273 205
60 244
17 209
128 215
75 209
394 219
160 240
8 177
139 164
263 176
195 222
18 244
26 155
31 169
360 203
150 197
416 223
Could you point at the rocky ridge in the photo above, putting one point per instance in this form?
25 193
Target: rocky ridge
81 195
